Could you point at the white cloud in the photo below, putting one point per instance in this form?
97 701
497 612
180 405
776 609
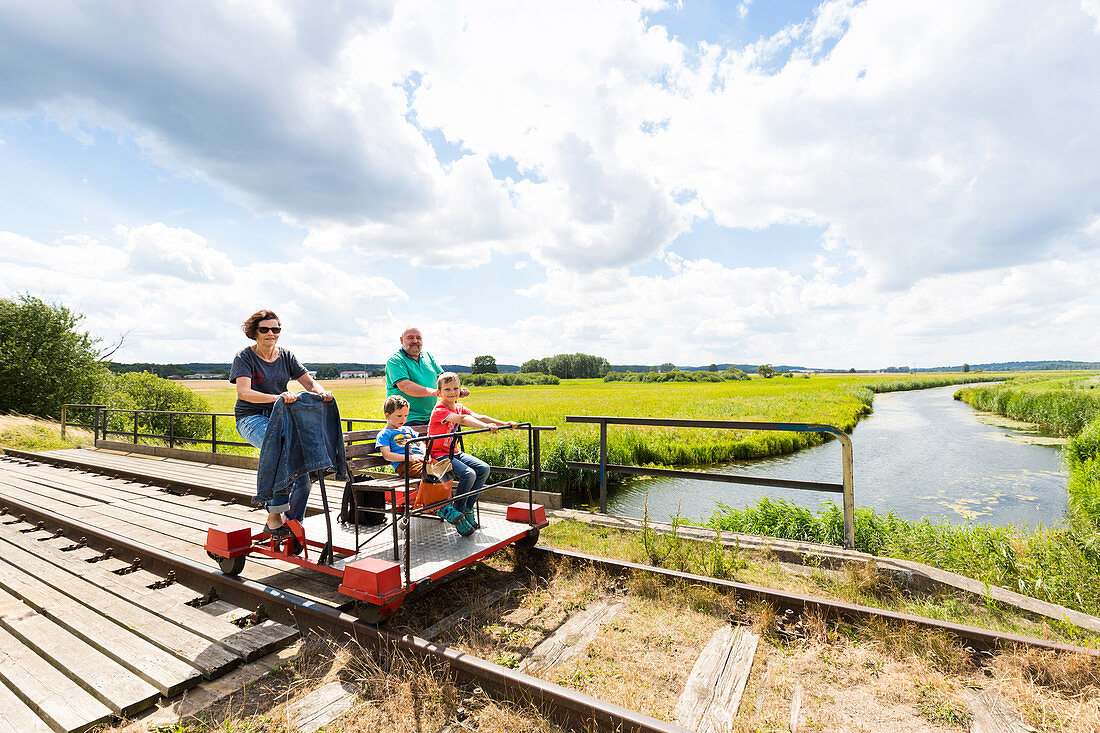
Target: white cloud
181 253
196 316
942 147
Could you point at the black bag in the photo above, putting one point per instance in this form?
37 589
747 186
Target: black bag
369 507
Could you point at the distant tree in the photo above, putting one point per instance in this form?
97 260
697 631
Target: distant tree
46 360
535 365
767 371
328 372
712 368
732 373
852 370
569 366
966 367
668 366
484 365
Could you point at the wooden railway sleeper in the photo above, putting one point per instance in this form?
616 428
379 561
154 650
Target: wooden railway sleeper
165 582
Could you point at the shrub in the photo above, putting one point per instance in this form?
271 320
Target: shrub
144 391
508 379
45 359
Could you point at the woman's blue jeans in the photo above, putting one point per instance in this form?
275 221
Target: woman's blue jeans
470 475
293 505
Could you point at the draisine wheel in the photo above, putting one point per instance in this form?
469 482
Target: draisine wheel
528 541
231 565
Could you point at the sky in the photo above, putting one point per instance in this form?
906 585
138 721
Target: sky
838 184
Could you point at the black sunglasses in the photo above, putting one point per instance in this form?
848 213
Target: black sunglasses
272 329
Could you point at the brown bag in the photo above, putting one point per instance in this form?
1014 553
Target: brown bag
436 483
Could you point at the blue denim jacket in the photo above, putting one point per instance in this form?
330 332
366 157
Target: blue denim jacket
301 437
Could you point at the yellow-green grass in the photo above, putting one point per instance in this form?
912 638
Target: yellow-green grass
839 401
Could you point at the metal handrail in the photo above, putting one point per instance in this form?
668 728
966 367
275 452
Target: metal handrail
846 487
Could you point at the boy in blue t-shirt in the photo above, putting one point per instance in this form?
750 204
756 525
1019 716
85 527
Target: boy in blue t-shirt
391 439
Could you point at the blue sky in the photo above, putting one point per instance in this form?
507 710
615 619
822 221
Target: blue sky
831 184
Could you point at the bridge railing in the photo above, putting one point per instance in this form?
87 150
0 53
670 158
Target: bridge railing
845 487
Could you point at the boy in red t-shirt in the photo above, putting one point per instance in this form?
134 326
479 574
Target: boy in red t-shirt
447 417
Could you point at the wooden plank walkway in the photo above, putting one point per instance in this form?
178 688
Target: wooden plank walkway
80 645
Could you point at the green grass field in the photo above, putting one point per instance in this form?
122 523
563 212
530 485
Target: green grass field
839 400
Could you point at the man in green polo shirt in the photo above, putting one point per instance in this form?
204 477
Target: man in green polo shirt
411 373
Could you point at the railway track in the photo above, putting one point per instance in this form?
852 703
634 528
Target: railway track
312 611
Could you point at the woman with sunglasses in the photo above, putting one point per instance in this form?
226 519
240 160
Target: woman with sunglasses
260 373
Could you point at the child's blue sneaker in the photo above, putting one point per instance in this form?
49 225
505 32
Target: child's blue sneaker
455 517
471 518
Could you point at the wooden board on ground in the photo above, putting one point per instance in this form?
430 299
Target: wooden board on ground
210 659
714 687
16 717
109 682
246 643
570 639
206 694
320 707
992 713
154 665
44 689
463 613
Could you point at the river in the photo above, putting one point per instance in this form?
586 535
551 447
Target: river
919 454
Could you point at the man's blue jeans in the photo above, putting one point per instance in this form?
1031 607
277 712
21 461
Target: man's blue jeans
252 428
470 475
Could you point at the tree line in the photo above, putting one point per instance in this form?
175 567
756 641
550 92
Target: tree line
568 366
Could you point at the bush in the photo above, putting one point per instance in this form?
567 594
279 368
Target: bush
144 391
508 379
674 376
45 360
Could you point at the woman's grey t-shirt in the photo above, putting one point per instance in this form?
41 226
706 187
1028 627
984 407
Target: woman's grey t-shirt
267 377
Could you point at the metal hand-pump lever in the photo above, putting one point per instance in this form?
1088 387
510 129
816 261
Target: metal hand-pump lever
326 557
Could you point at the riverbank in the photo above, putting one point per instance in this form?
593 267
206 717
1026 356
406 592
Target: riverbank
1059 564
1066 405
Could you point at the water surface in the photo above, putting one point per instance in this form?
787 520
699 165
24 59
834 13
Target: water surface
920 454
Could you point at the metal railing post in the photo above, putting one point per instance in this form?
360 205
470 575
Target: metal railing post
849 492
171 430
537 462
214 433
603 467
95 424
63 409
135 427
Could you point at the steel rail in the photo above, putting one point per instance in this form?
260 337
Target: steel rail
978 637
566 706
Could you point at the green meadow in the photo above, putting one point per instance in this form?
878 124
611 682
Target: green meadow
839 400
